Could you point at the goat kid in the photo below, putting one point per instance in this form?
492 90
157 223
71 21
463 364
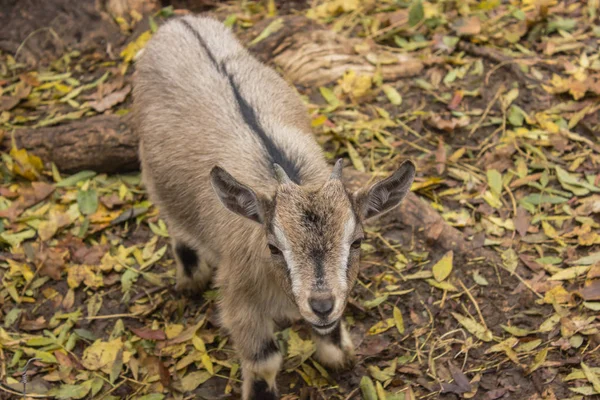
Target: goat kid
229 158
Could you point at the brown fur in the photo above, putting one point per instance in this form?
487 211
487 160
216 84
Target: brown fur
202 103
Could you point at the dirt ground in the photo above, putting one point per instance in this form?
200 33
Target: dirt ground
502 122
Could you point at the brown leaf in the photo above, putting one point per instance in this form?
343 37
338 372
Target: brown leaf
52 261
438 122
459 378
468 27
29 196
90 255
165 376
29 79
111 100
456 99
149 334
7 103
522 221
9 194
591 292
34 324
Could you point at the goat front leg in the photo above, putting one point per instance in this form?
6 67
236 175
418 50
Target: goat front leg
252 333
335 349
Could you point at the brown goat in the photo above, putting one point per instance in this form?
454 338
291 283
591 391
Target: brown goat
228 156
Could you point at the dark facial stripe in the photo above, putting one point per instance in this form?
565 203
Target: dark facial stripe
318 258
268 349
276 154
261 391
188 257
202 43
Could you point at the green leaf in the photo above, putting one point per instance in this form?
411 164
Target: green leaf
87 200
416 13
78 177
516 331
516 115
495 181
271 28
330 97
588 260
71 391
563 24
116 368
367 388
12 317
355 158
537 199
392 94
591 376
157 396
398 320
480 331
375 302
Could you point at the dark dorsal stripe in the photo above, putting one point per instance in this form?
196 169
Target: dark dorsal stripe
210 55
275 153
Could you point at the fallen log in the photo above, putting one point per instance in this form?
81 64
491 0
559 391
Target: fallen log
103 143
309 54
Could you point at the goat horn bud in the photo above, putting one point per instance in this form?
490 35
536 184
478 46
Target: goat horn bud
281 176
336 173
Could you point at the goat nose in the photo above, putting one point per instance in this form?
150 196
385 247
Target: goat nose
322 306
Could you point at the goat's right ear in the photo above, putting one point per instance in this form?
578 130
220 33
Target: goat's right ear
236 196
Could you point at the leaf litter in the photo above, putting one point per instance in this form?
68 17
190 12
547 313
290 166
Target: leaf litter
501 124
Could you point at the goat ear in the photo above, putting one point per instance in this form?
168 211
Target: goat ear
236 196
386 194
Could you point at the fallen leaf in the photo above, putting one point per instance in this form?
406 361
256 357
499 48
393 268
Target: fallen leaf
109 101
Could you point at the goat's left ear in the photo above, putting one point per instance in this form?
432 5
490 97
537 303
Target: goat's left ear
386 194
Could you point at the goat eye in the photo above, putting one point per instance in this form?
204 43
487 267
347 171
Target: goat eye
274 250
356 244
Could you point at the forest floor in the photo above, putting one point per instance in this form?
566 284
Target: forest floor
503 123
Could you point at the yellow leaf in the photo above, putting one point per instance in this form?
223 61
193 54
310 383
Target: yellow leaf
299 347
557 295
538 361
194 379
442 285
20 269
569 273
27 165
206 361
392 94
271 28
381 326
474 327
83 273
355 158
549 229
198 344
134 47
100 355
443 268
173 330
398 320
